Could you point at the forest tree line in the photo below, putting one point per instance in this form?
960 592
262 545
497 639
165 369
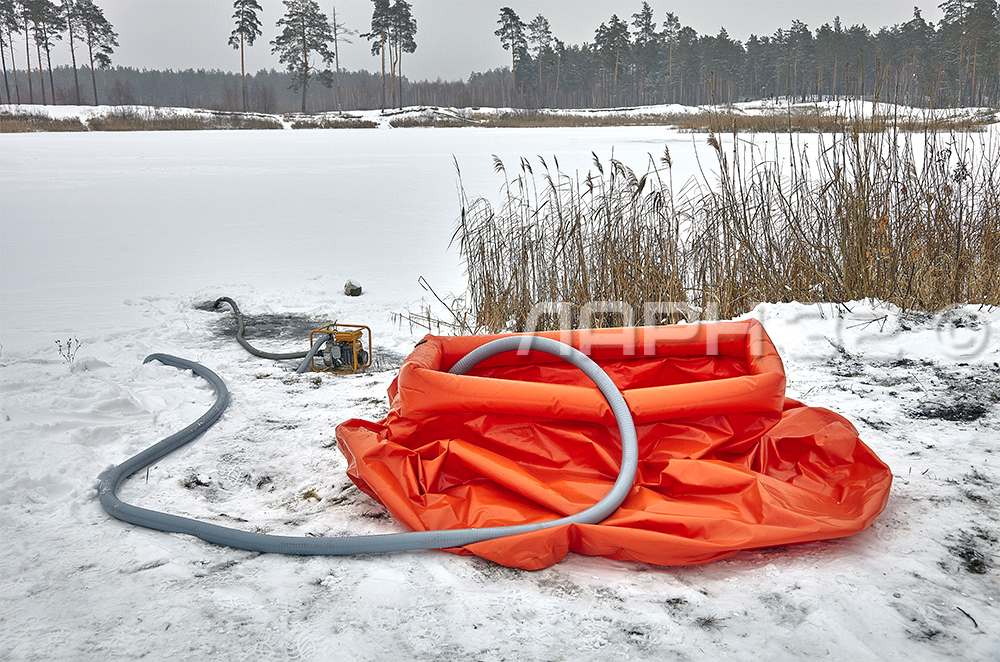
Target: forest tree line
268 91
637 60
645 59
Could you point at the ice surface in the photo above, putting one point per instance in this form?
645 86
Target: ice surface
118 240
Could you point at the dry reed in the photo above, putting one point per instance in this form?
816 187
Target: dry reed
609 238
911 219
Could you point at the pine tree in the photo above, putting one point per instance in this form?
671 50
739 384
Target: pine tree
540 36
36 12
646 46
305 33
23 17
686 57
983 28
8 26
953 44
100 37
669 35
74 30
31 10
909 49
511 33
402 30
47 24
379 34
613 43
341 33
246 32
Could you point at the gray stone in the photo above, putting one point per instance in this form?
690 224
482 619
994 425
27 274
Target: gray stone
352 288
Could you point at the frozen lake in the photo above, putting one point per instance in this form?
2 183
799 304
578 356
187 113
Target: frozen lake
91 220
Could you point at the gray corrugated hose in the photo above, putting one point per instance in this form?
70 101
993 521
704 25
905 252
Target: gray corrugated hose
306 357
307 360
260 542
241 327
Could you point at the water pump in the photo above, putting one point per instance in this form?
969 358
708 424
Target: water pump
344 351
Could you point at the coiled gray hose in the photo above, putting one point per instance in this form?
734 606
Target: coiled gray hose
395 542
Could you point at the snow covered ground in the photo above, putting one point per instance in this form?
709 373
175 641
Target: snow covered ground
115 243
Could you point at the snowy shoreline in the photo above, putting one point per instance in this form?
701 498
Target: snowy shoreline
384 119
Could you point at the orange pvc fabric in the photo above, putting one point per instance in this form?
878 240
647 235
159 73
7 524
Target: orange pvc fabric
726 461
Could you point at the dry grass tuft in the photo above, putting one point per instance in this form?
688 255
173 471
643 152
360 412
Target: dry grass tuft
24 122
792 120
815 120
547 119
244 121
148 119
427 123
129 118
333 122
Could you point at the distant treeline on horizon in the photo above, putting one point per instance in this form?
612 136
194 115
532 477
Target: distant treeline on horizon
955 63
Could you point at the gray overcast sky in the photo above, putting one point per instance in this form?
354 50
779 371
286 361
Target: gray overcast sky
454 37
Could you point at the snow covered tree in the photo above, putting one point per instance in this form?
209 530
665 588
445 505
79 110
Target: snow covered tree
99 36
306 33
246 32
511 33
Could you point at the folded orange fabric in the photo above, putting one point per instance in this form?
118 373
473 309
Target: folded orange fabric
726 461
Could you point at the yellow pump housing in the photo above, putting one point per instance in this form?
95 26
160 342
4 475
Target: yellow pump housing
345 352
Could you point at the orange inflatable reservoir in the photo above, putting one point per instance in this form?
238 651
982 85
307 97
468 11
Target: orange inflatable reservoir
726 461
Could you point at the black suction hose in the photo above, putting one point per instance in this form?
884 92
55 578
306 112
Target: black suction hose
259 542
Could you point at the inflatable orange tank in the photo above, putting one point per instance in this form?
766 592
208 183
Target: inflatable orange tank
726 461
